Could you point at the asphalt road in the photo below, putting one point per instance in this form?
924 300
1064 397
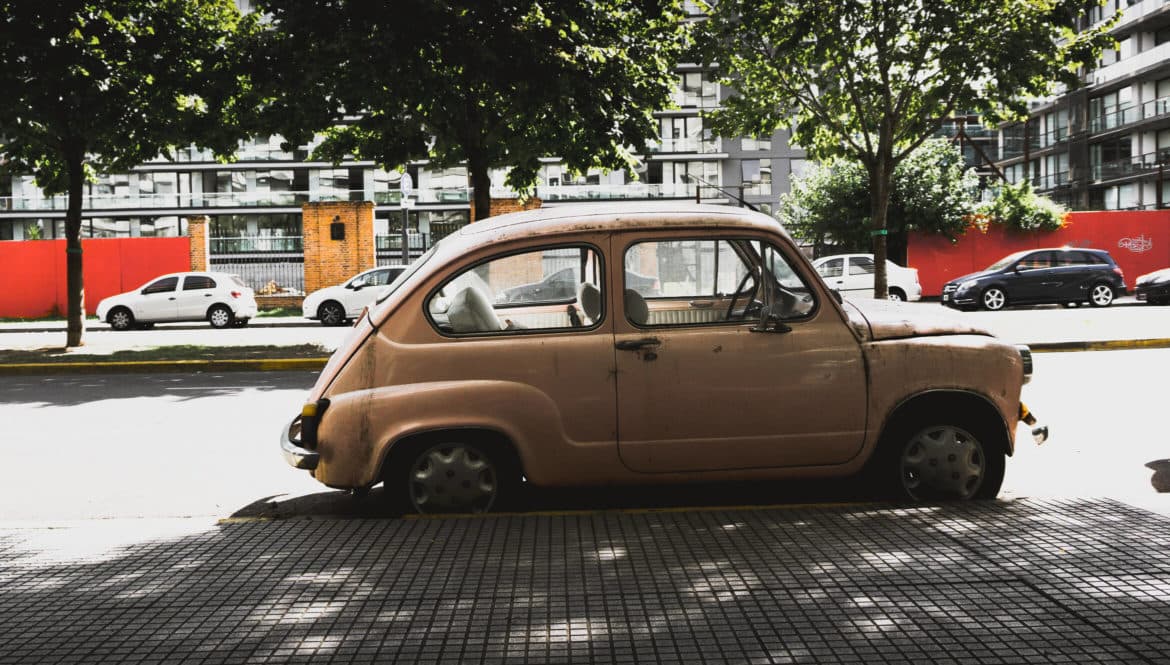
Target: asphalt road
152 446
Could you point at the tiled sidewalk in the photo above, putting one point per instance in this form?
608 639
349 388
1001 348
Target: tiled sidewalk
1008 582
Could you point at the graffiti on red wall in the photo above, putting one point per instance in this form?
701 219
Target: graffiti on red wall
1139 240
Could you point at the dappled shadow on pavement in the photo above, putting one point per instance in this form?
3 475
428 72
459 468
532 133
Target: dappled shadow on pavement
1026 581
177 386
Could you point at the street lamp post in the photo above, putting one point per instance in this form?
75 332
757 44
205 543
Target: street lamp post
406 186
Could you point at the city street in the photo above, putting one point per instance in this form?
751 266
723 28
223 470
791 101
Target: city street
115 446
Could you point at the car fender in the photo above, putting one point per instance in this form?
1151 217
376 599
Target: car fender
360 427
980 365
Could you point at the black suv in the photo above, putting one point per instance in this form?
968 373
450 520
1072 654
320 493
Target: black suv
1057 275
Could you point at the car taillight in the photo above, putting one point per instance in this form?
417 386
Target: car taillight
236 294
1117 269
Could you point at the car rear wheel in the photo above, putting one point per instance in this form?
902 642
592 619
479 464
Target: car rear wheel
455 476
1101 295
219 316
994 299
896 294
941 457
120 318
331 313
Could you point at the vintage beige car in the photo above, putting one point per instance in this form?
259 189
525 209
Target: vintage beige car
727 357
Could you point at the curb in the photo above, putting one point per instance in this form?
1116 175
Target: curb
158 366
317 364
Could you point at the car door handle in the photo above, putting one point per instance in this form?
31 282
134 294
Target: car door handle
171 298
635 344
206 295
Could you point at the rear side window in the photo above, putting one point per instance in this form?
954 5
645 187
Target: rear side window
198 282
164 285
1036 261
861 265
832 268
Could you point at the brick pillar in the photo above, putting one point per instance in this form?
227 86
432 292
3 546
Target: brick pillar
200 243
329 261
502 206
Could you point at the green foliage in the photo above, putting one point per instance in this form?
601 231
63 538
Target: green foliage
932 191
872 79
1019 208
493 83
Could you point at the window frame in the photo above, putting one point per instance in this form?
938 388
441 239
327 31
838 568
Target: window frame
453 274
146 290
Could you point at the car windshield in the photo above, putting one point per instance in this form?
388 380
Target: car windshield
410 270
1007 260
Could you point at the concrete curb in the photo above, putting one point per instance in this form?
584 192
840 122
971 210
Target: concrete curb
159 366
316 364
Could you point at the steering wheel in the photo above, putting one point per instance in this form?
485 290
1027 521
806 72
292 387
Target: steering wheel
735 298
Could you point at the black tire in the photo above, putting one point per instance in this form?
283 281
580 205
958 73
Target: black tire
896 294
993 299
933 456
331 313
220 316
240 323
120 318
440 476
1101 295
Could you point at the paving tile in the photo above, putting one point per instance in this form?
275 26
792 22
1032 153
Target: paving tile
1003 582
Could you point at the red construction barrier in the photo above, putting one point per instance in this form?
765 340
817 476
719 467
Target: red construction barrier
32 272
1139 240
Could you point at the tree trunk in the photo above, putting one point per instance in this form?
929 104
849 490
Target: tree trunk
74 286
879 187
481 184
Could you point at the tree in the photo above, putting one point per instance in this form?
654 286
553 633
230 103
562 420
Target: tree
492 83
99 86
873 79
932 191
1019 208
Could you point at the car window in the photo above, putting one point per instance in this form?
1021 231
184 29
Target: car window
698 282
408 272
1036 261
860 265
555 287
831 268
235 279
198 282
164 285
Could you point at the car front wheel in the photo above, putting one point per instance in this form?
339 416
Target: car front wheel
120 319
451 477
219 316
1101 295
994 299
940 458
331 313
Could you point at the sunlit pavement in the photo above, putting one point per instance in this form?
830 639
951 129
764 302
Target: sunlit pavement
1032 581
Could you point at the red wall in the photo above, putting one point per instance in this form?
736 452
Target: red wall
1139 240
32 272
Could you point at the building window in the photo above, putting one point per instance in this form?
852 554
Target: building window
757 177
751 144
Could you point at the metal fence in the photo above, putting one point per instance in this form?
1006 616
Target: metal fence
388 248
269 274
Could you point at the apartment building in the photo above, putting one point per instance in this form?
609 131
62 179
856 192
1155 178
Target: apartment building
1106 145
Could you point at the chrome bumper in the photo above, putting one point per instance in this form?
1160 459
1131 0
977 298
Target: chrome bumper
296 456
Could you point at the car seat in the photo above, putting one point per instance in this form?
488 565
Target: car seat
589 297
636 310
471 311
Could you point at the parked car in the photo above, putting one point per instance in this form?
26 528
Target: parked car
1153 287
337 305
1064 275
742 370
562 285
218 298
852 275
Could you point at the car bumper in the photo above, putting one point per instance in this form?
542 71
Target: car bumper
246 311
958 301
1147 292
296 456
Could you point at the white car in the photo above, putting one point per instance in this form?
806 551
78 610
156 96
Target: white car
216 297
852 275
335 305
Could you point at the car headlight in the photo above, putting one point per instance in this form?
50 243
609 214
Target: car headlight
967 285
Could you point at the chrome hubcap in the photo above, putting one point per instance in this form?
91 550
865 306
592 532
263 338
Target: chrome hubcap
943 460
219 318
120 319
994 299
1102 295
894 296
452 477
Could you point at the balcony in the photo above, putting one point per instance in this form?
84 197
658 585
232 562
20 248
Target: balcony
255 244
689 145
1115 117
634 190
1127 167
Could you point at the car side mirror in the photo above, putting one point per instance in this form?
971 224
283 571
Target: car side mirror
358 287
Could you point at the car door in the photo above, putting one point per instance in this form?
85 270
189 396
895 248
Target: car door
366 290
859 276
833 272
194 297
157 301
1032 278
1077 273
699 389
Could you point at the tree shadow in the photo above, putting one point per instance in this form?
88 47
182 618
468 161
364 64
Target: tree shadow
181 385
1008 581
